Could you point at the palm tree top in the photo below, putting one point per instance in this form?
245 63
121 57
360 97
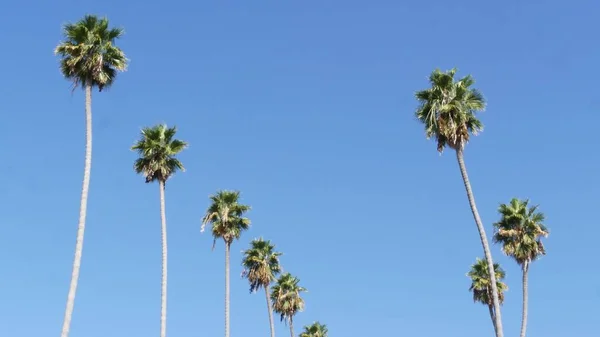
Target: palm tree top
448 108
520 230
481 286
261 264
315 330
157 149
226 215
88 52
285 296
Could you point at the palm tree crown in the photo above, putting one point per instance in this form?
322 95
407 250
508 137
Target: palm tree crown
226 215
157 149
286 296
315 330
481 283
520 230
88 54
448 109
261 264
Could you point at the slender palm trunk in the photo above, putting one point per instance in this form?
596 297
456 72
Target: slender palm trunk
492 316
163 286
227 249
82 213
525 299
484 243
292 326
271 324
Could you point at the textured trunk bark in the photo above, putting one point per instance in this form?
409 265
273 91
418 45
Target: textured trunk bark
292 326
163 287
271 324
492 316
82 213
484 243
227 249
525 299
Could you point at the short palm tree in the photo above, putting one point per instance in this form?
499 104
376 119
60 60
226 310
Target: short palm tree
226 215
481 285
157 149
286 299
89 58
447 109
261 266
315 330
519 231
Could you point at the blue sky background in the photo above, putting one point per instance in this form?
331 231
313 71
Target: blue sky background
307 108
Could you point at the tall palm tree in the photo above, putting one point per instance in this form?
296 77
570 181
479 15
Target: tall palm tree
89 58
481 285
226 215
315 330
286 299
157 149
261 266
447 109
519 231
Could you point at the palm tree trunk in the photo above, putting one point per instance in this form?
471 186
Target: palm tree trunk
484 242
292 326
271 324
492 316
163 287
525 299
227 249
82 213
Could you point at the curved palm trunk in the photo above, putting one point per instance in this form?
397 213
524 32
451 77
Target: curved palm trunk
271 324
292 326
163 287
227 249
484 243
82 213
525 299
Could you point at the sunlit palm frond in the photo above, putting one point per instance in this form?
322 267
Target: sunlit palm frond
226 215
481 284
285 296
261 264
315 330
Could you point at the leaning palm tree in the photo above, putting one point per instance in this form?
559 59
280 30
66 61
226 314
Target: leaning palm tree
89 59
481 285
519 231
447 109
261 266
226 215
286 299
157 149
315 330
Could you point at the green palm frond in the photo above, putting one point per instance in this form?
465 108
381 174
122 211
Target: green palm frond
157 150
88 53
261 264
315 330
226 215
448 109
285 296
520 230
481 284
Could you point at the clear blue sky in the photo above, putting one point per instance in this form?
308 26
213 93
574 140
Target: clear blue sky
307 108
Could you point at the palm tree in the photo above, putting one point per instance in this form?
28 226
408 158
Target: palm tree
261 265
89 59
315 330
519 231
157 150
286 299
447 109
481 285
226 215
